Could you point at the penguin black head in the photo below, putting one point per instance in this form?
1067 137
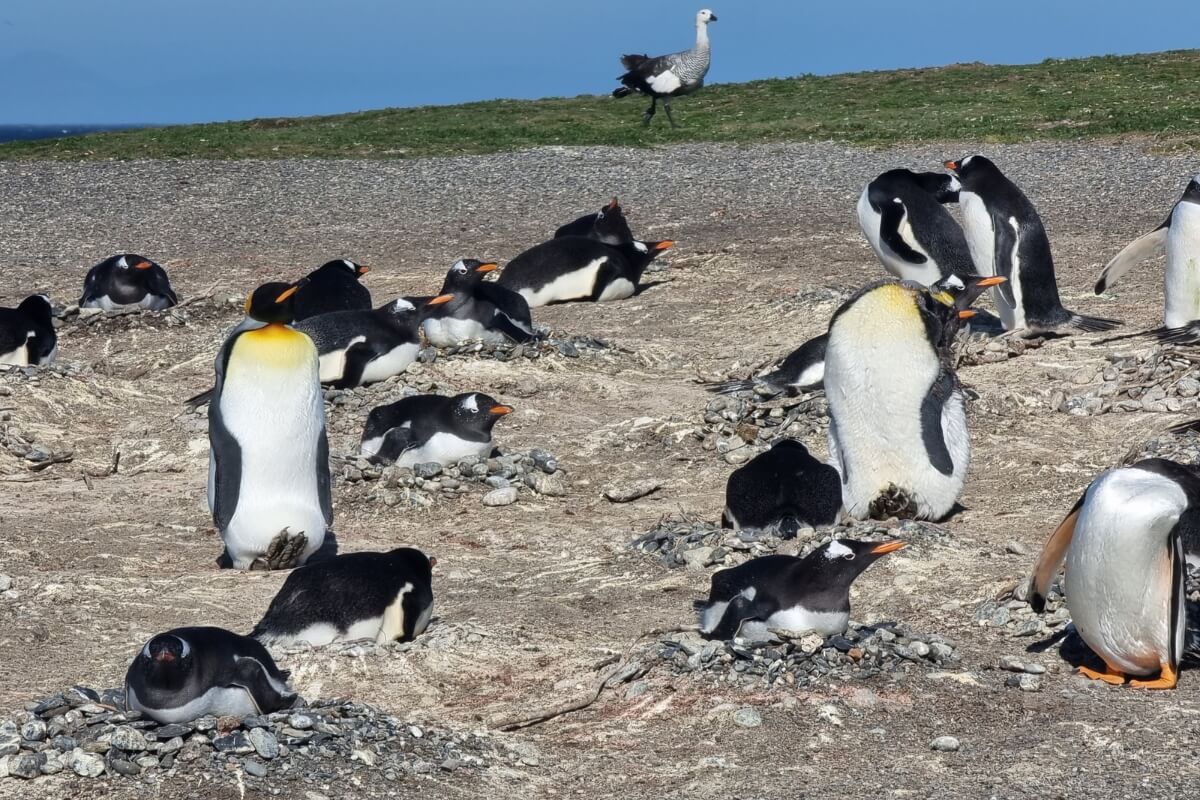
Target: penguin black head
166 659
610 225
37 306
839 561
132 261
647 251
272 302
344 266
466 274
477 411
970 170
414 560
401 308
1192 193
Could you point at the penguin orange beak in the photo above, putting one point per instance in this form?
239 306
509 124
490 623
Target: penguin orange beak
164 656
953 165
967 313
995 280
143 265
500 411
888 547
666 244
441 298
612 204
487 267
291 290
362 269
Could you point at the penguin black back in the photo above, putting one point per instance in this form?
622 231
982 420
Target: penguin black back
27 335
607 225
579 268
784 487
334 286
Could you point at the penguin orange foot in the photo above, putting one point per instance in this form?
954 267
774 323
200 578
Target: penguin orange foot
1109 676
284 551
1166 680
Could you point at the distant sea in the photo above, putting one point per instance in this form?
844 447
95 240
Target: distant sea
13 133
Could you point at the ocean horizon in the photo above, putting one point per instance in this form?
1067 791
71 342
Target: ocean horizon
16 133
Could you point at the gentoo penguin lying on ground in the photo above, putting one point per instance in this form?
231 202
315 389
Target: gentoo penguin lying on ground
1006 238
470 309
332 287
268 476
1180 236
427 428
902 217
789 593
127 281
607 225
379 596
187 673
579 268
27 336
361 347
897 415
803 370
784 488
1125 544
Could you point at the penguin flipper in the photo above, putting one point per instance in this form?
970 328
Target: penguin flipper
1178 610
227 473
932 433
891 217
739 611
512 328
355 361
1134 253
324 490
251 675
1007 240
1054 552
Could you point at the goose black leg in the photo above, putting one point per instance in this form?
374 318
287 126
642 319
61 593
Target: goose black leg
649 115
667 106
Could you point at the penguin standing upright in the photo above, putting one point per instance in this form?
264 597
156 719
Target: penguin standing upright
784 488
380 596
333 286
1007 239
902 217
795 594
607 225
1124 545
187 673
125 281
471 309
27 335
1180 235
897 414
579 268
431 428
361 347
268 476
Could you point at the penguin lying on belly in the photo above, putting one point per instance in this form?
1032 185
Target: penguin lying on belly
27 335
784 488
430 428
607 225
360 347
790 593
802 371
471 309
333 286
127 281
379 596
579 268
1124 545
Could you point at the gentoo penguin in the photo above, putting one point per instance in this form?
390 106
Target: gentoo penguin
1180 236
607 225
1124 545
380 596
268 468
579 268
476 310
802 370
1006 238
188 673
127 281
361 347
27 336
795 594
902 217
897 414
784 488
427 428
331 287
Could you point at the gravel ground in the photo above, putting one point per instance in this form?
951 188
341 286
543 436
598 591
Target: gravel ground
542 599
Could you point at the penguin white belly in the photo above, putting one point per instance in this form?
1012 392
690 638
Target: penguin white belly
391 626
154 302
1182 282
981 242
271 403
219 701
16 358
811 375
333 363
574 285
799 618
617 289
450 332
103 302
443 448
393 362
1118 578
869 220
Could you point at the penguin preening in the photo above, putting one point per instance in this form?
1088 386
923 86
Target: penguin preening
783 488
188 673
360 347
268 477
384 597
431 428
802 370
471 309
1124 546
1006 238
1179 235
27 335
579 268
333 286
897 414
607 225
901 215
125 281
787 592
664 77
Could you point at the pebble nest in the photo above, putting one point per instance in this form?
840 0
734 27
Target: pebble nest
1181 446
550 345
974 349
738 426
1165 378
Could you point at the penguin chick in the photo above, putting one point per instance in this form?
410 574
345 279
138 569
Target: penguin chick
608 225
127 281
578 268
188 673
334 286
784 488
379 596
427 428
802 371
27 335
1124 545
360 347
787 592
470 309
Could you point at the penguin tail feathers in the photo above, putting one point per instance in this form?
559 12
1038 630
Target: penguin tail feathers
1191 426
1093 324
624 91
1191 635
201 399
729 387
1186 334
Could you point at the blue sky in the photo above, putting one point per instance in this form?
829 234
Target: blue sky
85 61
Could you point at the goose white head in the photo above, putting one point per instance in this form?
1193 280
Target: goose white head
704 16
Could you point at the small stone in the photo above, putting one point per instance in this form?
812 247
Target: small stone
148 761
300 722
698 557
173 730
633 490
236 742
945 744
172 745
1030 683
450 764
747 718
1034 669
265 743
33 731
128 739
919 649
87 765
1011 664
52 765
548 485
26 765
505 496
429 469
1016 549
254 768
5 583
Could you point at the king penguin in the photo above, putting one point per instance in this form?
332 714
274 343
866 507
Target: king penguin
1124 546
901 215
1006 238
607 225
897 414
188 673
1180 236
127 281
384 597
268 476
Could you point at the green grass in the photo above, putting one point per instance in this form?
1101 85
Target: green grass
1156 95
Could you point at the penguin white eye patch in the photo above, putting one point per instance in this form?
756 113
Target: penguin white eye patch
470 403
838 550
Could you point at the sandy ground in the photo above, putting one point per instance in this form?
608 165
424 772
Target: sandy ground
548 584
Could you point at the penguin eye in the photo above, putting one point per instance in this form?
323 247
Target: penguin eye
849 556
